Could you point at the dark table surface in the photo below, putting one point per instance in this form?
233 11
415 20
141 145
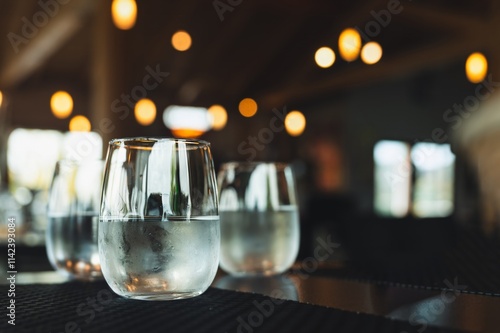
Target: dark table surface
457 292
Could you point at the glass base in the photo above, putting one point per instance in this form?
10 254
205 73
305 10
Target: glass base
163 296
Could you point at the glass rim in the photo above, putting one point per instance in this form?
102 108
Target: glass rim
145 142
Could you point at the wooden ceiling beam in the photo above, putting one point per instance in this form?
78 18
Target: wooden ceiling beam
397 66
275 42
353 19
444 18
48 39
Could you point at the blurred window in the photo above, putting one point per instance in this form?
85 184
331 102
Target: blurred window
31 158
426 190
434 173
392 178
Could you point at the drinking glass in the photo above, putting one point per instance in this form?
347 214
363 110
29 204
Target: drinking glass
259 218
73 214
159 233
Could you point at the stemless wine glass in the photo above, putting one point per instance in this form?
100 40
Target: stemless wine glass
159 234
259 218
73 214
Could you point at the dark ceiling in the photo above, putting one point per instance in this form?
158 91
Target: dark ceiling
260 49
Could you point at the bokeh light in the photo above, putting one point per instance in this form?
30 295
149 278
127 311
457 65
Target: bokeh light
181 40
187 121
61 104
371 53
476 67
219 116
79 124
124 13
349 44
295 123
145 111
324 57
247 107
1 98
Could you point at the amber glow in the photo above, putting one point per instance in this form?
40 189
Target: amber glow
181 40
371 53
186 133
145 112
324 57
79 124
247 107
124 13
219 116
61 104
476 67
1 98
295 123
349 44
187 121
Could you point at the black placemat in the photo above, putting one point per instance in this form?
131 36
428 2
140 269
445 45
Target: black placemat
92 307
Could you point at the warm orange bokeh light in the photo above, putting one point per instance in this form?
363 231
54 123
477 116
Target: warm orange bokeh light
186 133
247 107
295 123
219 116
371 53
476 67
61 104
181 40
349 44
145 111
324 57
79 124
124 13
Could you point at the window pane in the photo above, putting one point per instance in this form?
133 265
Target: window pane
434 176
392 178
31 157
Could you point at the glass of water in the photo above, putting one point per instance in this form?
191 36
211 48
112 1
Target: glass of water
159 233
259 218
73 213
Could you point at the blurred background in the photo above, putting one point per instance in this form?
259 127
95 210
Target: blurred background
387 110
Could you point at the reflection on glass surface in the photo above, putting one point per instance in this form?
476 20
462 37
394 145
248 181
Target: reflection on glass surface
277 286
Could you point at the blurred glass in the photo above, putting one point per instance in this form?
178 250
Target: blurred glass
259 218
73 211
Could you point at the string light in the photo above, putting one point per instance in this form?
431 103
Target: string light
476 67
219 116
61 104
181 40
295 123
324 57
349 44
371 53
124 13
79 124
247 107
145 111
